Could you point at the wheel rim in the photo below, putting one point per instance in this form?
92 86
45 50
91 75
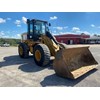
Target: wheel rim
20 50
37 55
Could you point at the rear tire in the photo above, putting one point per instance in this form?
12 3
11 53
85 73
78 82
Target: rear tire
41 55
23 50
63 45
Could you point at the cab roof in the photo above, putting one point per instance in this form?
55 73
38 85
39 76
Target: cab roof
33 20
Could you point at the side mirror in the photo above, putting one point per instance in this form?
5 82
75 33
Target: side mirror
49 24
28 20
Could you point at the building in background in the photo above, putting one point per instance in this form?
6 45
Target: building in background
72 38
92 40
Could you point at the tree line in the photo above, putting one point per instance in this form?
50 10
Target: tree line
12 42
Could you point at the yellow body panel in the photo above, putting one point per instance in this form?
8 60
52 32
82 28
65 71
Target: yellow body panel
45 40
51 45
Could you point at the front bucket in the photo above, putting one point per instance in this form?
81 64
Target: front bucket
74 62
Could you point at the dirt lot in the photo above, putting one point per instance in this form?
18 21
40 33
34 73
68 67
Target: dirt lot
15 71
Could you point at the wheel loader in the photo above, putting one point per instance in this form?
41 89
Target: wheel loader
68 62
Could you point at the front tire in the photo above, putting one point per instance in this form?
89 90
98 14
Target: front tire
41 55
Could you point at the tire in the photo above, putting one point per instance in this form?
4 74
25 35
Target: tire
63 45
41 55
23 50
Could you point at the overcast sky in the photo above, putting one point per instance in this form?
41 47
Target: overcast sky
14 24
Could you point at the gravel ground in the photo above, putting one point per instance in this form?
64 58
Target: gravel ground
17 72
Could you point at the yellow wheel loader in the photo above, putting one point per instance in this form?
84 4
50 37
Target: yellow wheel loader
68 62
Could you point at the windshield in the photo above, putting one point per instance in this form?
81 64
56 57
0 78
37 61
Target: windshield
39 27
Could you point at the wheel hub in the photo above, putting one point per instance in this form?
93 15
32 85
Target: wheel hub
37 55
20 50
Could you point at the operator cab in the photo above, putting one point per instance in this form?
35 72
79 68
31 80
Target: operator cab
36 28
